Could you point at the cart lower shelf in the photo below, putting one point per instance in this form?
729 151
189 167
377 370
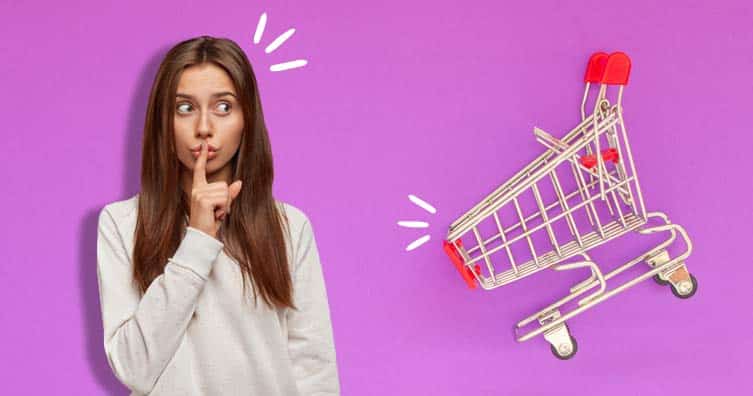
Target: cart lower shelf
590 240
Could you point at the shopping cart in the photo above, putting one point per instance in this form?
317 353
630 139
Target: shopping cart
598 200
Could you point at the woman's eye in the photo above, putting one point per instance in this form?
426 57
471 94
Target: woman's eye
226 104
182 105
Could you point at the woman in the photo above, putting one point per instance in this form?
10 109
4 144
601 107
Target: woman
174 260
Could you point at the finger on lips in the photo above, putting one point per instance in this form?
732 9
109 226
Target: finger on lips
199 170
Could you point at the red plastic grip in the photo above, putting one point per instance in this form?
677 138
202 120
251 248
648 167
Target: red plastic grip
457 260
617 69
608 69
610 154
595 69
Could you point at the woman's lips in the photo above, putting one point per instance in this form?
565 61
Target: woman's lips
210 154
198 148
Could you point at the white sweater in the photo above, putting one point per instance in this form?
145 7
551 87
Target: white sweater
194 333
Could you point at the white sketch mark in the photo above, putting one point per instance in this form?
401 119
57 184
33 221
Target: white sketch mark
423 204
279 40
413 224
260 28
288 65
418 242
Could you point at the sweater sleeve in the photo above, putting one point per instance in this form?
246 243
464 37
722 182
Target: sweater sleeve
310 339
142 334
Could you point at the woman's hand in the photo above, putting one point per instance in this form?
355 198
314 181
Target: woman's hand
209 201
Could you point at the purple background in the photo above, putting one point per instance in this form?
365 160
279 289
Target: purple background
436 99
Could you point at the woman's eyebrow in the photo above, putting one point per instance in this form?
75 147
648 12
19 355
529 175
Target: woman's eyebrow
215 95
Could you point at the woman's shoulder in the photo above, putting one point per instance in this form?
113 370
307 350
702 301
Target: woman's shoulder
117 220
123 208
299 230
120 217
296 217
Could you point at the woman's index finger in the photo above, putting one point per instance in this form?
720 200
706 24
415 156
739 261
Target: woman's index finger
199 167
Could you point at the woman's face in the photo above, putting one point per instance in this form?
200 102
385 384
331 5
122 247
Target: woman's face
206 108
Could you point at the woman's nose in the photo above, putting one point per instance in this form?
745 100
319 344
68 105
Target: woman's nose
204 128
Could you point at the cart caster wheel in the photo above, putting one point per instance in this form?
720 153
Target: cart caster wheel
659 281
565 352
688 291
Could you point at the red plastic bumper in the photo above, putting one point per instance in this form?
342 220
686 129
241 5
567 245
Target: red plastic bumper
457 260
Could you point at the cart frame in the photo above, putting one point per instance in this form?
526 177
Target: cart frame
596 185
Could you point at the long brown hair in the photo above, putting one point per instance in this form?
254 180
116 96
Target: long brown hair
254 232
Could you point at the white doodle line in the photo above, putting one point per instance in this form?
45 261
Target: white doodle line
276 43
418 224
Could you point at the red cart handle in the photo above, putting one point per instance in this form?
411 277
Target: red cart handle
595 69
457 260
617 70
608 69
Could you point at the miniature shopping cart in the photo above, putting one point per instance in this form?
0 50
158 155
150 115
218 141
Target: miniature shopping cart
590 178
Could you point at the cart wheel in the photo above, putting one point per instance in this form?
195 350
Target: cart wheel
565 355
660 281
686 293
